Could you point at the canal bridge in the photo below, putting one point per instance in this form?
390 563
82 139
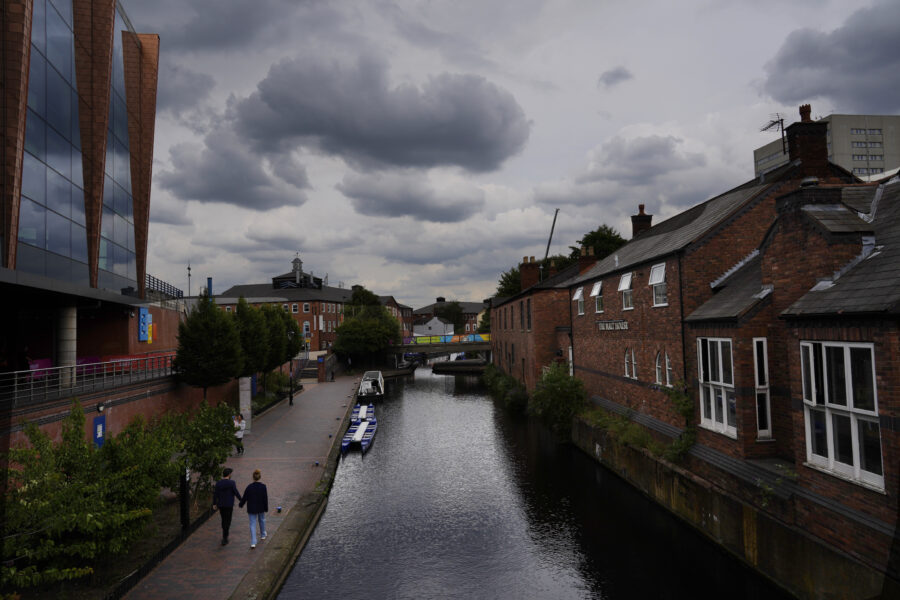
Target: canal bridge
443 344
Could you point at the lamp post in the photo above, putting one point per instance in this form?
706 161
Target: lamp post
189 278
291 393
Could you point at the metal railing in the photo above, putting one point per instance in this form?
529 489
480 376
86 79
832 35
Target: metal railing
22 388
447 339
162 287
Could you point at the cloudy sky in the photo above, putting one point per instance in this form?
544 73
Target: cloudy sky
420 148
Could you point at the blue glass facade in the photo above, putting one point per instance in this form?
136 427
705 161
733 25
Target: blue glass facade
118 266
52 239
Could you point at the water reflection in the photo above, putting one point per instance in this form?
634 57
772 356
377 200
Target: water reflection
456 499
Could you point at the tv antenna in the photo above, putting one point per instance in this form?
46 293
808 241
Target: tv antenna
776 121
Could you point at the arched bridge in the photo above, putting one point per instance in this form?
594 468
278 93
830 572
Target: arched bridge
442 344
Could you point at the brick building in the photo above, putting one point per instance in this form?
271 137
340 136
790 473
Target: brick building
401 312
317 307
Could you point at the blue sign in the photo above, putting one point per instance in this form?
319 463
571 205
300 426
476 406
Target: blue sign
99 430
143 325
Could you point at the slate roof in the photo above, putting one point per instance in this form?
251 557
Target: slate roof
469 308
858 198
737 295
836 218
264 292
558 280
871 285
675 234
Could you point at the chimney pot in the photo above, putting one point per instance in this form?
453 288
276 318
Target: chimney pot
640 222
531 259
805 111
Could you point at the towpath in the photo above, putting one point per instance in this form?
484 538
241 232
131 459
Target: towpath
294 448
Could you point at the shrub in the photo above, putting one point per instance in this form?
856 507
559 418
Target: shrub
557 398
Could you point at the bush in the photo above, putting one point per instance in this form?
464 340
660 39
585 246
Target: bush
557 399
505 389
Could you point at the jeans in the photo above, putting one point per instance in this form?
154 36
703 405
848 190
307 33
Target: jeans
262 526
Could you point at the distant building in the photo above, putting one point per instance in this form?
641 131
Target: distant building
866 145
401 312
471 310
433 326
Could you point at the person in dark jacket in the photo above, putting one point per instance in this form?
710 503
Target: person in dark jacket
223 499
257 500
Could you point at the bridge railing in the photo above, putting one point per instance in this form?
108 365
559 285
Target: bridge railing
22 388
447 339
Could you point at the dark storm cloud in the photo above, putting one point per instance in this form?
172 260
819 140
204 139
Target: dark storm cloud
225 170
642 159
614 77
383 195
856 66
353 112
181 88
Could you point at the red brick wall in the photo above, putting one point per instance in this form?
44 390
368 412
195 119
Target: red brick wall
599 355
121 406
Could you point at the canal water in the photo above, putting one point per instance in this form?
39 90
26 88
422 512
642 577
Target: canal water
458 499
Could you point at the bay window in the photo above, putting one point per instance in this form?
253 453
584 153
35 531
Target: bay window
840 407
717 397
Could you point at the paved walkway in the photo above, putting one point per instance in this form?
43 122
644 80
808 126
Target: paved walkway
285 444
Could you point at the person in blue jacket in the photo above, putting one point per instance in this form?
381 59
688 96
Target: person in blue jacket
257 500
223 499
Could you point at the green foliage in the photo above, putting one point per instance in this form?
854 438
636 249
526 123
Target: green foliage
510 283
453 312
294 336
276 336
684 406
484 325
209 347
625 430
69 506
251 325
557 398
604 240
206 438
505 388
368 327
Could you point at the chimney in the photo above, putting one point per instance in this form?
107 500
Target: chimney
807 143
640 222
528 273
552 270
441 299
587 259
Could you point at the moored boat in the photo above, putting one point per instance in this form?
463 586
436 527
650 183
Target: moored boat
362 412
359 433
372 386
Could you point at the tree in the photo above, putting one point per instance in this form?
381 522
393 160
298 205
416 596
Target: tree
510 283
453 312
276 337
604 240
205 441
557 398
368 329
251 325
209 347
484 325
294 336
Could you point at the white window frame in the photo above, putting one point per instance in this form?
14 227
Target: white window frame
306 307
579 298
717 393
295 309
819 390
633 365
227 309
627 363
761 383
285 308
597 293
668 371
657 284
625 288
659 368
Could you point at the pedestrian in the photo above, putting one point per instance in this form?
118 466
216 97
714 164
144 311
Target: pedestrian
239 426
223 500
257 500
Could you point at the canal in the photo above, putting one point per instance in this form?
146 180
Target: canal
458 499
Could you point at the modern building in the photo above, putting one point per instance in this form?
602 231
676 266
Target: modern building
866 145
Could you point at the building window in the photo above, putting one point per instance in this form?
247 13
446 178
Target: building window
627 363
875 145
876 157
874 132
597 293
860 144
876 170
659 368
284 307
529 316
295 308
579 298
521 314
841 410
227 309
668 371
861 171
625 288
862 157
658 284
857 131
306 307
633 365
717 401
761 373
305 328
